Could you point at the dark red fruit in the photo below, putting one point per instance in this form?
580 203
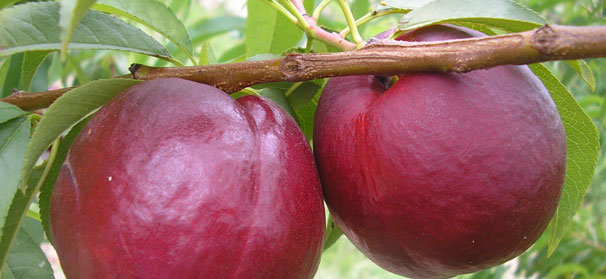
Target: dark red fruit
441 174
175 179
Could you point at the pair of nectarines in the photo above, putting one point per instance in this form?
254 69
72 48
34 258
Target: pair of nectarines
441 174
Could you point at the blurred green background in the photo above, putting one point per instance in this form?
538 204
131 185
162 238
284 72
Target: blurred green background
217 27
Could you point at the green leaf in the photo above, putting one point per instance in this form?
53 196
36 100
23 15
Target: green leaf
34 26
154 15
320 47
278 97
279 34
332 234
304 100
309 5
359 8
300 102
209 27
207 55
567 269
7 3
9 111
48 185
235 53
31 61
18 210
13 74
26 259
304 93
14 136
70 14
68 110
583 145
403 4
584 72
503 14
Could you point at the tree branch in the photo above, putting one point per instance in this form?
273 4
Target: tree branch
547 43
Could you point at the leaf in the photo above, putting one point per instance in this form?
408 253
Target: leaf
359 8
279 34
209 27
26 259
584 72
503 14
70 14
34 26
7 3
406 5
68 110
14 136
278 97
332 234
304 100
9 111
31 61
13 74
320 47
18 210
154 15
304 93
234 53
583 145
207 55
46 189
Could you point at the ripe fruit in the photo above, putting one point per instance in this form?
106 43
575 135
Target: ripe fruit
175 179
441 174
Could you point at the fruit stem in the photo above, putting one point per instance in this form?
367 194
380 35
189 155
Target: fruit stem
352 24
371 16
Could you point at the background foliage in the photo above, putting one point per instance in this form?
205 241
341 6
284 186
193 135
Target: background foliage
219 33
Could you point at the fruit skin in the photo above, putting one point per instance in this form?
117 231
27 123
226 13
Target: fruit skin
441 174
175 179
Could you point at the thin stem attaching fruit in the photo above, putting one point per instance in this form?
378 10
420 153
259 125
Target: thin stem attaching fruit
371 16
351 21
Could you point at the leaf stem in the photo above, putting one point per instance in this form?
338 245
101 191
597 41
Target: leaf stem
294 11
320 8
371 16
352 23
281 9
49 162
309 44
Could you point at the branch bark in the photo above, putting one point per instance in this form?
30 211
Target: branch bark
548 43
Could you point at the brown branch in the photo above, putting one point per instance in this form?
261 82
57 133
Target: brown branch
547 43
